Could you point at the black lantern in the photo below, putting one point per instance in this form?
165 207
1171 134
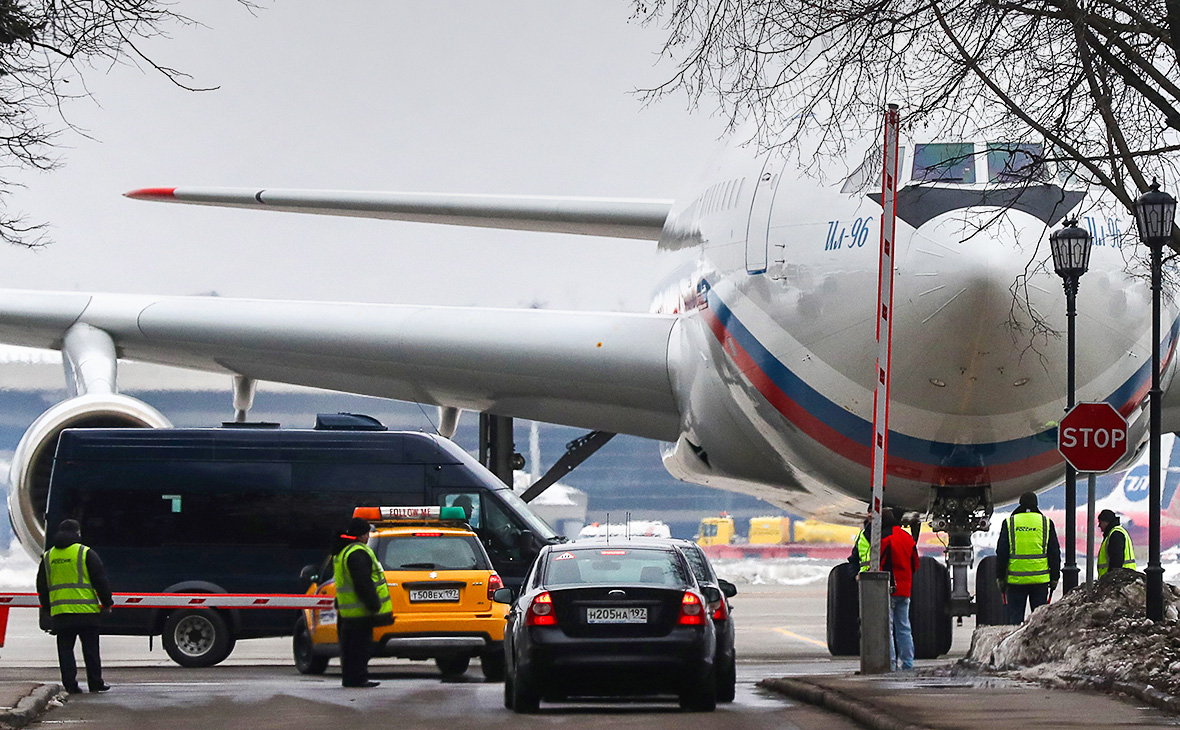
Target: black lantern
1071 259
1155 214
1071 250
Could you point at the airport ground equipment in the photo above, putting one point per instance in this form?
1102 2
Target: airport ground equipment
441 583
716 531
241 509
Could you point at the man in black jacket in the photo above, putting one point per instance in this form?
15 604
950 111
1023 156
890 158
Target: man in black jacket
1020 590
74 594
1117 550
362 598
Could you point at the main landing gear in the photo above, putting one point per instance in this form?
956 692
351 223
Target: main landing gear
939 596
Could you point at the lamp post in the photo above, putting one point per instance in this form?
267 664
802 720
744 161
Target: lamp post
1155 212
1071 259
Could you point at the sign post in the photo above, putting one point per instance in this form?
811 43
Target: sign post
875 638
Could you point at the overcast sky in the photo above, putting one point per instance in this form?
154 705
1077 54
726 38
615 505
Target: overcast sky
458 96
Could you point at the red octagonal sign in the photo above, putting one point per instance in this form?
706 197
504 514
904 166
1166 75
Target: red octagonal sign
1092 436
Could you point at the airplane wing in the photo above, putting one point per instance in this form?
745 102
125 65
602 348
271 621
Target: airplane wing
612 217
607 371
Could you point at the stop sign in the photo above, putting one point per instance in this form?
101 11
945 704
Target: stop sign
1092 436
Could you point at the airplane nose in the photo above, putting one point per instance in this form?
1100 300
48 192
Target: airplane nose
972 307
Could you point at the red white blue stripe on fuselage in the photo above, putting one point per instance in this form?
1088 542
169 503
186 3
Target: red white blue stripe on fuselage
910 457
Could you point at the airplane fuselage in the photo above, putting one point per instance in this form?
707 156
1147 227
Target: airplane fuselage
776 282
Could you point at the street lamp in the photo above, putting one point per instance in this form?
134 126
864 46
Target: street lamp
1071 259
1155 212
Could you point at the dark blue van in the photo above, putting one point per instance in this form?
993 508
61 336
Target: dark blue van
243 509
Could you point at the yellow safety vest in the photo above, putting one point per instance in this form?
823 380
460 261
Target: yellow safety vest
864 550
1128 552
1028 548
68 579
348 603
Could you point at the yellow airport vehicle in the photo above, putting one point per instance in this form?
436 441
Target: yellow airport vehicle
769 530
814 531
441 583
716 531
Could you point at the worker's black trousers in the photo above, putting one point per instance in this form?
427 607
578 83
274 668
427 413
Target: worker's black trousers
355 637
65 656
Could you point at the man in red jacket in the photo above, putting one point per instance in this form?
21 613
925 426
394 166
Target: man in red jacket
899 556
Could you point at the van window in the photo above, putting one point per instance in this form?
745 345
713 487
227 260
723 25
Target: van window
469 501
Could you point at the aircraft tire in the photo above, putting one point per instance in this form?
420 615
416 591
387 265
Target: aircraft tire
930 616
197 637
843 611
989 602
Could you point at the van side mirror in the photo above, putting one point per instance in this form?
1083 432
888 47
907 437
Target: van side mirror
712 595
504 595
310 573
729 589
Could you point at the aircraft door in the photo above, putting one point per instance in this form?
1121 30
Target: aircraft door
758 231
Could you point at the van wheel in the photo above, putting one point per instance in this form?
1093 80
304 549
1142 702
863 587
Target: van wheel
452 666
197 638
306 660
492 665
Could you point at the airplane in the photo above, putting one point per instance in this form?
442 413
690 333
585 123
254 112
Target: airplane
755 366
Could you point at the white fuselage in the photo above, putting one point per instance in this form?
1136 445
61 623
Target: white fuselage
774 364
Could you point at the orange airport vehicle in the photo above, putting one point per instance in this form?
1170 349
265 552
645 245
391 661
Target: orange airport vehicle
441 583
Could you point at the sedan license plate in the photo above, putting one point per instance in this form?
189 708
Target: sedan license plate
433 595
616 615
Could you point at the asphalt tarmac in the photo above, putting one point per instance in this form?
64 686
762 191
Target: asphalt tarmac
780 630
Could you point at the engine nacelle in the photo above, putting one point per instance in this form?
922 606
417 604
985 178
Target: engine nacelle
28 484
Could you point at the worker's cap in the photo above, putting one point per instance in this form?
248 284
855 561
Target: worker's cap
1107 516
357 527
69 526
1028 500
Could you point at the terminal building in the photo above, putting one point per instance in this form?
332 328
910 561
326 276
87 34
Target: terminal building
625 477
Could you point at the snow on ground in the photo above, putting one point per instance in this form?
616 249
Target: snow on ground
1098 632
776 571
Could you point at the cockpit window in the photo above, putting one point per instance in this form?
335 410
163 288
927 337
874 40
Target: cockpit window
944 162
1010 162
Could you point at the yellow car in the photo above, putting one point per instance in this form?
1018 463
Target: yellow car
441 583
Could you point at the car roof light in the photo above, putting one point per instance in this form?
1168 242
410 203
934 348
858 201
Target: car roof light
425 512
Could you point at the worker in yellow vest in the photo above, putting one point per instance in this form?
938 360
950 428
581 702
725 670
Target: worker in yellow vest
1028 559
863 545
1117 550
74 594
362 602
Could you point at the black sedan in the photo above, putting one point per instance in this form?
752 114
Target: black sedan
602 619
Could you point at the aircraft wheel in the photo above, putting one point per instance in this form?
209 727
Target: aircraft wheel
989 602
843 611
930 616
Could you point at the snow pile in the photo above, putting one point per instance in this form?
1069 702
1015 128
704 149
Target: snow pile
1098 632
783 571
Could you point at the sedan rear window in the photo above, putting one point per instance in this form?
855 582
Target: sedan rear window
430 552
614 566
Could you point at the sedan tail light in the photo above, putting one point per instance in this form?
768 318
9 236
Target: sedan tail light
494 584
692 613
541 611
720 610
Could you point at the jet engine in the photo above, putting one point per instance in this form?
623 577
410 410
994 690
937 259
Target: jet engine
32 462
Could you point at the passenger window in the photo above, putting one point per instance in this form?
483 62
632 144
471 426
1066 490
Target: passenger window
501 533
1009 162
945 162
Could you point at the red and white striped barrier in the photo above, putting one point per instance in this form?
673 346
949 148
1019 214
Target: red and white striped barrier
189 600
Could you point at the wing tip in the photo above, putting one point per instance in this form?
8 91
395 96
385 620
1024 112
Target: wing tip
152 194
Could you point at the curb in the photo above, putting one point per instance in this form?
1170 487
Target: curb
868 715
30 706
